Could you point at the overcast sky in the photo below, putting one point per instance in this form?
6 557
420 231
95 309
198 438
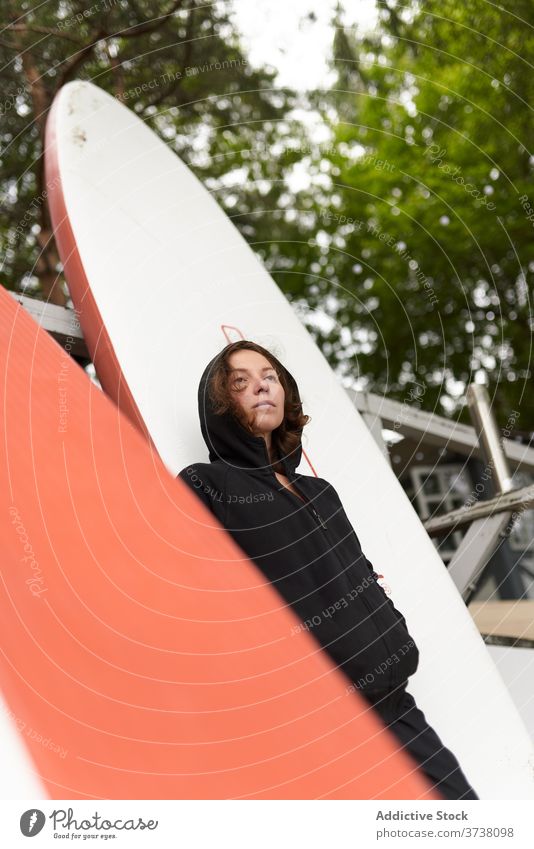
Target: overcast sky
279 33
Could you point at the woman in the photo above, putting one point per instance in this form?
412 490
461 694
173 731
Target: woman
295 528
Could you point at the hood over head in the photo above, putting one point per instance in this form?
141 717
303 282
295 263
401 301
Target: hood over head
226 437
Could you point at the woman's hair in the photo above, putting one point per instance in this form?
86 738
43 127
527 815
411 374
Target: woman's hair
286 437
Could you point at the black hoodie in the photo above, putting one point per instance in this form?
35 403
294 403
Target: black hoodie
309 551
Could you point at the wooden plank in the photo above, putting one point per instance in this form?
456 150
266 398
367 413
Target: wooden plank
475 550
61 322
417 424
515 501
514 618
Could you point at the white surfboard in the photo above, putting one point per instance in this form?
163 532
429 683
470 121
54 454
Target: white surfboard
162 280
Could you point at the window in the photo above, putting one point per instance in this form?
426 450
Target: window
435 490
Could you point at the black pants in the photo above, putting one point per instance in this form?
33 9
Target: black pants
403 718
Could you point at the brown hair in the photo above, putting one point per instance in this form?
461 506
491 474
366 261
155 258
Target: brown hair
285 439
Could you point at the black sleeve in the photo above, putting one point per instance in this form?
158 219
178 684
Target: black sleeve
371 568
372 571
384 593
368 563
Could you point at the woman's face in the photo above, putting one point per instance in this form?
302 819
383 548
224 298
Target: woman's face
255 387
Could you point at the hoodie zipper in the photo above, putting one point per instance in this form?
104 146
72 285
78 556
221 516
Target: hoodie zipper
309 506
318 518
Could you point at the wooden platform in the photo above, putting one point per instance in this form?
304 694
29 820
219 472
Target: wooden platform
505 622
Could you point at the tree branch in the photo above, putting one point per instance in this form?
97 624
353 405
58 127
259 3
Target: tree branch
79 58
37 91
150 26
170 91
116 72
43 31
173 89
131 32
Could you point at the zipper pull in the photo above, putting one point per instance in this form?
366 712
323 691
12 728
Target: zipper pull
319 518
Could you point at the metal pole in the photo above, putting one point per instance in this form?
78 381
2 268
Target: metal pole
489 438
509 581
518 499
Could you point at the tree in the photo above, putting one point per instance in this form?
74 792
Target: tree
180 68
426 226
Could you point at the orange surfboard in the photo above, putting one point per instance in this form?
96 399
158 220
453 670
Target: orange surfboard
157 658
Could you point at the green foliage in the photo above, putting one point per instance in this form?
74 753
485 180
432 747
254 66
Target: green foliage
430 162
408 249
179 66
